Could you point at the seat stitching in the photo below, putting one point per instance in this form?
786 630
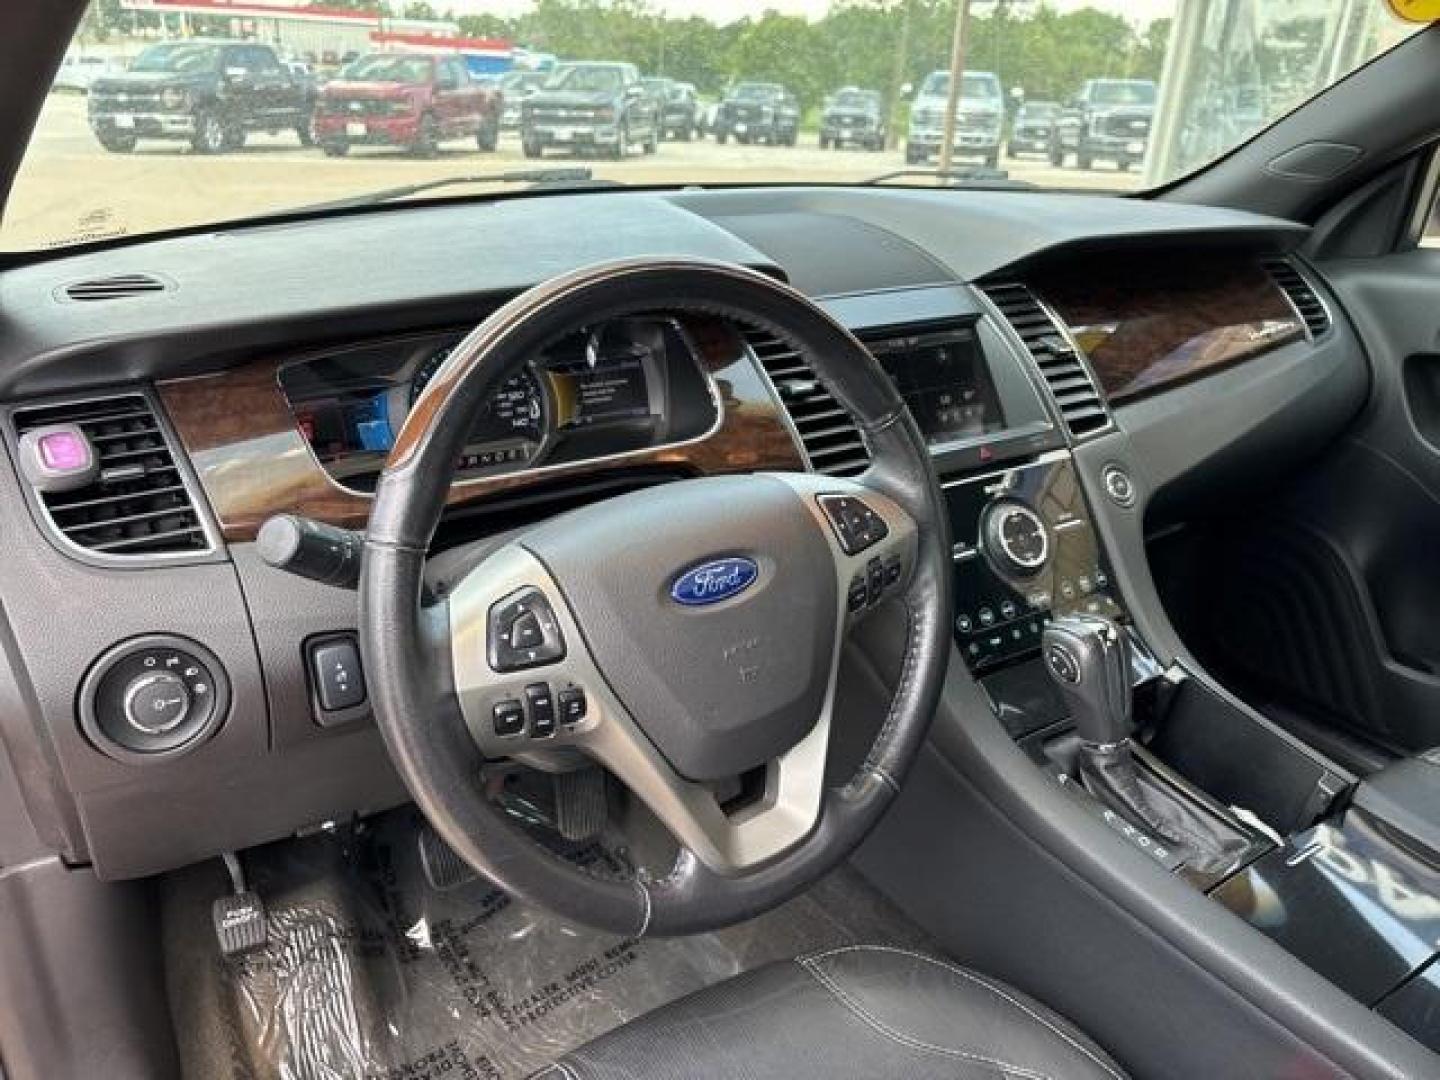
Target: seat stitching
904 1039
978 981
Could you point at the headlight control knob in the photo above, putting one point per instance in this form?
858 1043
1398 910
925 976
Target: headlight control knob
1015 538
156 702
150 698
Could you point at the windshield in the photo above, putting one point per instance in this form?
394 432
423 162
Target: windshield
585 80
1147 91
396 69
971 86
178 56
1123 93
755 92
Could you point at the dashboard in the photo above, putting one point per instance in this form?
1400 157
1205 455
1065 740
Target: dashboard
1043 343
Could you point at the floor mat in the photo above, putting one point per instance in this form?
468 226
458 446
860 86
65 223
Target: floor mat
370 974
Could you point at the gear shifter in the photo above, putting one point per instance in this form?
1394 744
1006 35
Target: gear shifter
1088 657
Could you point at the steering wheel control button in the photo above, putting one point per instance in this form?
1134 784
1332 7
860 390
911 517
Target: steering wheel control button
874 580
150 697
541 706
1062 663
572 706
1118 486
156 702
508 717
856 526
522 632
339 680
857 596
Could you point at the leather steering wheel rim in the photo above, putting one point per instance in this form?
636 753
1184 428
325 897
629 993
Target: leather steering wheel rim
406 643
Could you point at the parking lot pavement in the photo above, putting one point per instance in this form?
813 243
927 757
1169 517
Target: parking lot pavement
71 188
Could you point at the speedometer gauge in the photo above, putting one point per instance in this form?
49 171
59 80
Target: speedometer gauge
511 426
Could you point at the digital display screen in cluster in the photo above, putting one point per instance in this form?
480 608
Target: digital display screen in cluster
945 381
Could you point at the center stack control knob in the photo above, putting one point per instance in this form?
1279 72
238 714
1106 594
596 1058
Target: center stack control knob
1016 538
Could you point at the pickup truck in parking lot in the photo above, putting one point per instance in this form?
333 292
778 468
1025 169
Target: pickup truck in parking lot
979 117
853 116
209 93
598 106
406 100
759 112
1109 119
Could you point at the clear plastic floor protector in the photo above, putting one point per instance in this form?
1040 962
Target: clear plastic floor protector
370 974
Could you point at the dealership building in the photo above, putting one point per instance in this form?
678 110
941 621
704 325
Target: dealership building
330 34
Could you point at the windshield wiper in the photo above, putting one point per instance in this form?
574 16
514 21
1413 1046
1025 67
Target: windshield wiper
964 176
540 177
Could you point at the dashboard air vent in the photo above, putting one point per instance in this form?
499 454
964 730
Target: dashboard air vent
1309 305
832 441
1074 391
114 288
138 505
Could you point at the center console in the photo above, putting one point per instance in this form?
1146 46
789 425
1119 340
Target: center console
1345 876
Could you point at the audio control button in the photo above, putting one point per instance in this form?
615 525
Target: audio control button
1016 538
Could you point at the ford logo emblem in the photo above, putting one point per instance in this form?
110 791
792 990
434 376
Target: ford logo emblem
711 582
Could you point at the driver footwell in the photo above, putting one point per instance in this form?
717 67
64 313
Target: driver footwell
370 972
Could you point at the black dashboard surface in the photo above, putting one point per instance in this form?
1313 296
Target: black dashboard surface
234 291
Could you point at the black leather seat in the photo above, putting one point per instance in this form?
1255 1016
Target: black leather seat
862 1012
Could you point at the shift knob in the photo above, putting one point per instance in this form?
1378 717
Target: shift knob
1088 657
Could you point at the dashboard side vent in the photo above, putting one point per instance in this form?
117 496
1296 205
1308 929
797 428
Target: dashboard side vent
1304 298
1064 372
832 442
114 288
138 506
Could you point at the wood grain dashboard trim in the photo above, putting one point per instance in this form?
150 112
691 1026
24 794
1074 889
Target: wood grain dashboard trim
253 461
1152 324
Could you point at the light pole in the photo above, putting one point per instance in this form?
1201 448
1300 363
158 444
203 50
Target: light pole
957 71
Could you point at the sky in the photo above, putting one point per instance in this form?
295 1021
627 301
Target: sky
730 10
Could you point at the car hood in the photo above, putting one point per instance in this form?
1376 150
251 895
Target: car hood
843 111
142 81
1139 112
371 91
570 98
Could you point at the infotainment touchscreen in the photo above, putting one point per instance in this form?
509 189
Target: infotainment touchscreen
944 380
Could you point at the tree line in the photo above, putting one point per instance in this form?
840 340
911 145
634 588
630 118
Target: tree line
878 44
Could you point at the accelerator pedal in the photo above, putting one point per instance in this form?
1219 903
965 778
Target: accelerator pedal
581 808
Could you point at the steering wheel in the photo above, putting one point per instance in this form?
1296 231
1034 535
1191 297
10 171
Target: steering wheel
701 620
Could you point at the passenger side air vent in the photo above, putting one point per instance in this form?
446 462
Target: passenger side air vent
114 288
1307 304
832 441
1074 391
138 505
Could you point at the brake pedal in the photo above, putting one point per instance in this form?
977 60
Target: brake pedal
443 868
581 809
240 921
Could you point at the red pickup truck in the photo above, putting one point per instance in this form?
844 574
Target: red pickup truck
406 100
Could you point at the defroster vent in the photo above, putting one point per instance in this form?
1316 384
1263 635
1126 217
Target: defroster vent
138 506
1064 372
832 441
1307 303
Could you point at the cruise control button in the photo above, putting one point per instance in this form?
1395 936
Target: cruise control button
874 580
541 706
858 595
509 717
572 706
